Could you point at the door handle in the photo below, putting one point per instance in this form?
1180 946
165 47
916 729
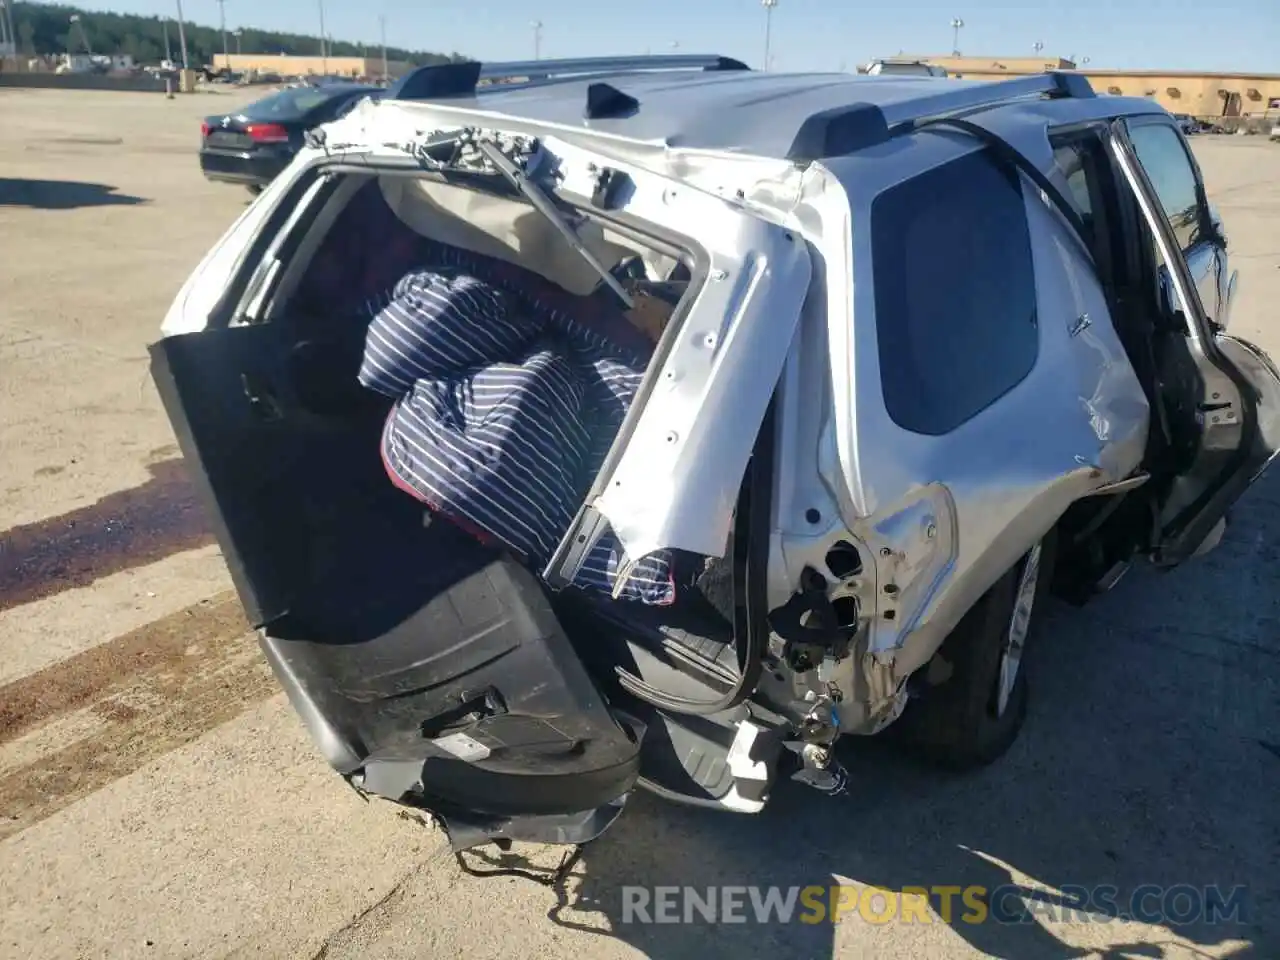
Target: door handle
262 399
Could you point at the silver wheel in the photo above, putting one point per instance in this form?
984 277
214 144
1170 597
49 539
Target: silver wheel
1015 637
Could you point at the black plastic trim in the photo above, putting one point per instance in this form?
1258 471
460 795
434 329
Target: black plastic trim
446 80
1009 155
751 617
839 131
607 102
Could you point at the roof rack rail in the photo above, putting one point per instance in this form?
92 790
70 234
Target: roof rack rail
843 130
1054 84
462 79
848 128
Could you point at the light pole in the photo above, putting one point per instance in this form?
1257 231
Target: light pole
382 30
537 39
324 50
168 51
768 27
13 33
956 26
182 38
222 25
84 37
8 21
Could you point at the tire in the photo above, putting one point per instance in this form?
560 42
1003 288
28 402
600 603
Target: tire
963 719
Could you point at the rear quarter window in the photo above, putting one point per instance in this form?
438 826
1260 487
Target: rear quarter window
954 292
288 104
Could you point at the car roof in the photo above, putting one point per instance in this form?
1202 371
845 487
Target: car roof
745 111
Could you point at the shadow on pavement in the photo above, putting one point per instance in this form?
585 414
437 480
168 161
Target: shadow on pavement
126 529
61 194
1148 768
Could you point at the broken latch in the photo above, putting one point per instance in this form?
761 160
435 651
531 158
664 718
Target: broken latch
821 770
809 626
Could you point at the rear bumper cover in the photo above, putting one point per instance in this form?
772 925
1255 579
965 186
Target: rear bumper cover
229 166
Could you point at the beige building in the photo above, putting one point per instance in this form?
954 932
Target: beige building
290 66
1178 91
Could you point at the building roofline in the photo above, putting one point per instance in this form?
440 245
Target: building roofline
982 63
1180 74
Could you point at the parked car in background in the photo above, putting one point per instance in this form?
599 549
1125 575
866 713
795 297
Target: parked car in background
251 147
1188 124
898 67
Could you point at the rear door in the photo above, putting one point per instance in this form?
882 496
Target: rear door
1238 402
980 387
428 667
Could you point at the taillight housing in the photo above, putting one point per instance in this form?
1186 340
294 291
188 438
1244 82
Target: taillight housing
267 133
204 128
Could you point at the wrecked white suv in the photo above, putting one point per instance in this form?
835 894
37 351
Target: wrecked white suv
570 427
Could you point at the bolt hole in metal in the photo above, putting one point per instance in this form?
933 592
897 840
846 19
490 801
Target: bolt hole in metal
846 611
813 516
843 560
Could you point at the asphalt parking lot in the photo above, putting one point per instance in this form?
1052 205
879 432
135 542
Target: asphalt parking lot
159 799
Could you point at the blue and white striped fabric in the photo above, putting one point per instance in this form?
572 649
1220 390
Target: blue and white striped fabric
505 410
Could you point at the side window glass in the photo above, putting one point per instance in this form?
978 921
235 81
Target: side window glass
1077 167
1164 158
955 292
1069 158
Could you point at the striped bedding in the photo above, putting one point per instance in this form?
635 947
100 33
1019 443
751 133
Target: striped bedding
508 394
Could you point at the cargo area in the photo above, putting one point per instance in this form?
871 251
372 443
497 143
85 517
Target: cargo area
399 597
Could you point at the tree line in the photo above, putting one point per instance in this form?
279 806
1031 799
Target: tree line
48 29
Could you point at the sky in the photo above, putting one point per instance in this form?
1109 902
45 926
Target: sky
1225 35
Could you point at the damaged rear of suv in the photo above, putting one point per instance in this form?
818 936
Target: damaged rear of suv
653 423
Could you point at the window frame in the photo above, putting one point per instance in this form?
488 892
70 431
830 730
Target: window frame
1110 232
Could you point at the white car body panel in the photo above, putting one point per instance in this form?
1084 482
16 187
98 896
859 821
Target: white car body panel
982 521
